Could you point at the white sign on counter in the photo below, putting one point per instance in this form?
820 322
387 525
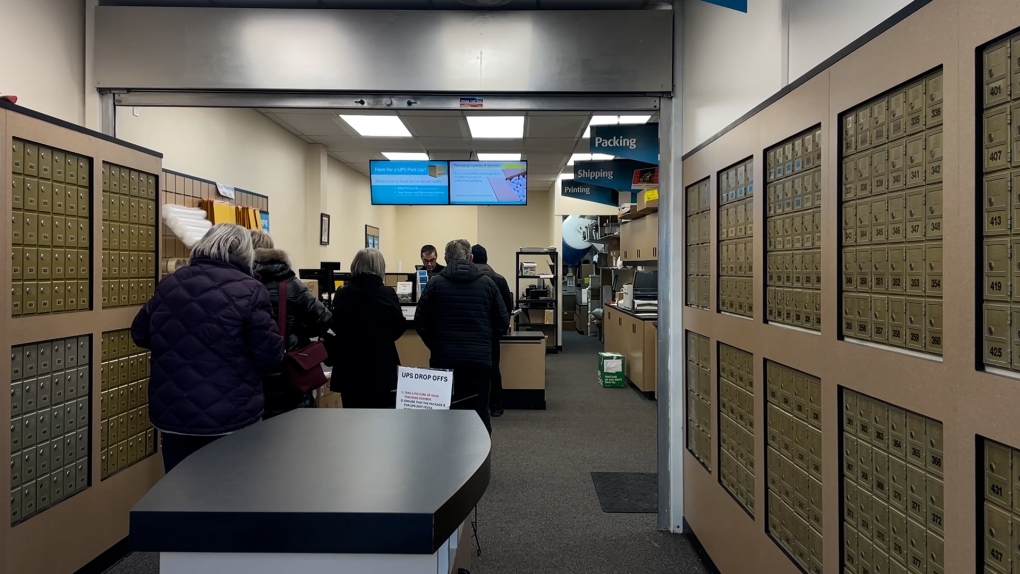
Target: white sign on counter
424 389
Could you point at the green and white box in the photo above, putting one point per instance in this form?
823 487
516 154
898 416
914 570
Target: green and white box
611 370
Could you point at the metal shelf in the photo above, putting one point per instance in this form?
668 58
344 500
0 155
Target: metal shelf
541 304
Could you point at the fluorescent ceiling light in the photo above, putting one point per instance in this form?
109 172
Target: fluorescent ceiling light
504 127
589 157
377 126
402 155
612 121
499 157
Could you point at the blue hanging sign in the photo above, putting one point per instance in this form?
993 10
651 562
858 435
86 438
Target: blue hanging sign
738 5
637 142
587 192
616 174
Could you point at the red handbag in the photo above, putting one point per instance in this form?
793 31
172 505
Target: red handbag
302 367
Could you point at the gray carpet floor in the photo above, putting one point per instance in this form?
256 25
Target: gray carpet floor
541 513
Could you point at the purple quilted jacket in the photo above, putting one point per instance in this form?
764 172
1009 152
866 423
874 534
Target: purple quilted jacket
212 334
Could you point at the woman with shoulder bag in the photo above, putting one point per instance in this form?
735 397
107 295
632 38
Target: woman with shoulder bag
367 321
305 317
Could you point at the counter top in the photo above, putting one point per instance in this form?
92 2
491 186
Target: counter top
390 482
642 316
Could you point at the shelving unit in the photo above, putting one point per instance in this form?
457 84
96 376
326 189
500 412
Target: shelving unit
534 314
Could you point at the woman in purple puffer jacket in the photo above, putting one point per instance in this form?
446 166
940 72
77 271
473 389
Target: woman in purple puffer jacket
211 332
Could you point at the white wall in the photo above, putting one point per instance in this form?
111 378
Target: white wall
349 204
42 56
731 62
820 28
237 147
734 61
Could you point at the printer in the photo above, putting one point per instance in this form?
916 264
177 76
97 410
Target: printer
646 291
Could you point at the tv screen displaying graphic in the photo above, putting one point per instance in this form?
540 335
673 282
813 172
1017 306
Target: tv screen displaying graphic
410 182
488 183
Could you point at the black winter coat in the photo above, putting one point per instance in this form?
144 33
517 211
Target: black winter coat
307 317
459 314
367 321
211 331
501 284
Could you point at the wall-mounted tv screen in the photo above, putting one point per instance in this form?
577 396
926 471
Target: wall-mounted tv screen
488 183
410 182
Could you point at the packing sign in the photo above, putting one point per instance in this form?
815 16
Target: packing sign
639 142
424 389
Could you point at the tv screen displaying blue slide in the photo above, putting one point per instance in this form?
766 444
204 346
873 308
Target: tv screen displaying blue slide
410 182
488 183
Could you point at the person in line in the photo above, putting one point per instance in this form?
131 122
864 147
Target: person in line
480 257
430 260
211 332
458 317
367 321
307 317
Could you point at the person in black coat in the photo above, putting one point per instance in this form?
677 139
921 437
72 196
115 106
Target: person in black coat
480 257
367 321
459 314
307 317
211 331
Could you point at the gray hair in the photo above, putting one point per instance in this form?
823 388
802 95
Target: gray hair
368 261
457 249
261 240
223 241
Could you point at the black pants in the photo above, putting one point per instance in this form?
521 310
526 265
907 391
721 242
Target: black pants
177 447
496 391
471 386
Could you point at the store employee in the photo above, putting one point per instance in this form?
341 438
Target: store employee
430 260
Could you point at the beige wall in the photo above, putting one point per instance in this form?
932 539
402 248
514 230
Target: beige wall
237 147
349 204
432 224
42 56
504 230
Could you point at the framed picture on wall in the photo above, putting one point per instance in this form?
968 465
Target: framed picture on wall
371 237
323 229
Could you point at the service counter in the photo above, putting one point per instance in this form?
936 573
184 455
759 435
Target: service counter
393 496
635 336
522 364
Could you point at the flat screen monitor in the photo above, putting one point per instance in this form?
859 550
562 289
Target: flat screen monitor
488 183
410 182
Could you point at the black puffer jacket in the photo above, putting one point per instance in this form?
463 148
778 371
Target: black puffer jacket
501 284
210 328
459 314
367 321
307 317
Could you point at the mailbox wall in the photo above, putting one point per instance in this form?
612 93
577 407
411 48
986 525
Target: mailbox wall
959 407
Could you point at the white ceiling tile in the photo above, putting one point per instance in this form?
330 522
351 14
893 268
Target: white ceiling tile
315 124
498 145
451 155
437 127
549 145
555 126
449 143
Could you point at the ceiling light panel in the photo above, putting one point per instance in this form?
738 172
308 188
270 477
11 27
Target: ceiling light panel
502 127
499 157
612 121
400 155
377 126
589 157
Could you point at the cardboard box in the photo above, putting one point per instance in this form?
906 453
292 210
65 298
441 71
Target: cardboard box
611 370
550 317
648 201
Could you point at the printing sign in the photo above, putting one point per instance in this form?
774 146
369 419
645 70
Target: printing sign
636 142
424 389
587 192
738 5
617 174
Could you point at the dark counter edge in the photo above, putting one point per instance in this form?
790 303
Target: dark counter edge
516 337
308 532
635 314
6 105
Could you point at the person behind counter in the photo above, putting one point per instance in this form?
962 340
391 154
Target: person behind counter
211 332
307 317
430 260
480 257
457 318
367 321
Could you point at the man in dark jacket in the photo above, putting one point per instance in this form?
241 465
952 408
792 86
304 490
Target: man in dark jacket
430 260
458 316
212 335
480 257
307 317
